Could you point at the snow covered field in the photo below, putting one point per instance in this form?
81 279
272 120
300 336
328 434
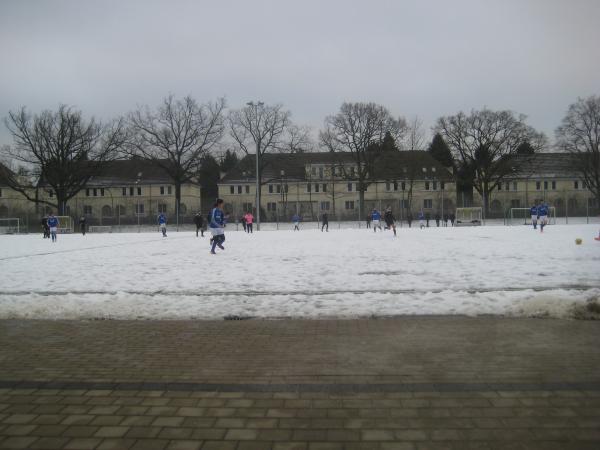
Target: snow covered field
343 273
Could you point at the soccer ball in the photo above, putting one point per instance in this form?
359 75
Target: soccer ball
578 241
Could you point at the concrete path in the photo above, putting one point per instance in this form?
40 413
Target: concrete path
402 383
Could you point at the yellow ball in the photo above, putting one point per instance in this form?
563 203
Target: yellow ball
578 241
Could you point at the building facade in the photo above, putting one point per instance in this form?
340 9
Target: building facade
311 184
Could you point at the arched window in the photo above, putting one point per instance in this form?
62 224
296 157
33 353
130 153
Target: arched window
106 211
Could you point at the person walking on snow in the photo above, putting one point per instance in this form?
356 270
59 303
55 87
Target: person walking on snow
199 222
162 224
542 211
217 226
376 218
389 219
421 218
82 224
53 226
249 218
45 227
534 216
296 222
325 222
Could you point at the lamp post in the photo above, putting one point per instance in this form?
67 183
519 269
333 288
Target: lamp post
255 106
137 203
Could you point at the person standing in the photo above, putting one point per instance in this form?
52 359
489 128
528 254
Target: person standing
249 218
45 227
53 226
389 219
325 222
437 219
421 218
243 222
376 219
452 219
542 211
296 222
368 220
199 222
409 219
533 211
82 224
217 226
162 224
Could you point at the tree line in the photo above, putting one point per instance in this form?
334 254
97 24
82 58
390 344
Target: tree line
62 150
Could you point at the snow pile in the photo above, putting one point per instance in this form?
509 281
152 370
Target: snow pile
343 273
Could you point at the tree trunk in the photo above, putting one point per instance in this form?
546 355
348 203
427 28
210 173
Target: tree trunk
361 202
177 203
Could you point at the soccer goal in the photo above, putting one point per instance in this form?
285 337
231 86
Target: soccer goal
522 216
10 225
65 224
100 229
469 216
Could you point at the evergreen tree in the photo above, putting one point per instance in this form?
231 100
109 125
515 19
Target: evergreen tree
208 176
440 151
229 161
525 149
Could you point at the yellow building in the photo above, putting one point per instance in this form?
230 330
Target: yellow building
311 184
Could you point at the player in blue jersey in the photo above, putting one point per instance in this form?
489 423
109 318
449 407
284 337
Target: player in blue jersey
53 226
421 218
376 220
542 210
162 224
217 226
534 216
296 222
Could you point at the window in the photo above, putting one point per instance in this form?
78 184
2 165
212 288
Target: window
316 188
50 194
349 189
499 186
162 191
442 185
124 191
308 186
575 184
0 192
427 185
433 169
554 185
270 189
404 185
182 208
247 189
324 188
130 191
87 210
424 169
247 206
435 185
106 211
404 204
352 170
168 190
87 192
395 185
313 171
545 185
271 206
232 189
101 192
350 204
95 192
139 191
162 208
120 210
538 185
515 186
139 209
279 189
427 203
239 189
320 172
515 203
324 206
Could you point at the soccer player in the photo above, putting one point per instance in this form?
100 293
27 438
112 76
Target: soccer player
53 226
376 218
534 216
199 221
296 222
162 223
82 224
217 226
421 218
389 219
249 218
325 222
542 210
45 227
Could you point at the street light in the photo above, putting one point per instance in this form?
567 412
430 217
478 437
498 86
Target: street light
257 105
137 203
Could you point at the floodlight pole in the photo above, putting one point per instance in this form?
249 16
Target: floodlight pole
257 105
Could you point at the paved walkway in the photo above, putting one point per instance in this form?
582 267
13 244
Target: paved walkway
403 383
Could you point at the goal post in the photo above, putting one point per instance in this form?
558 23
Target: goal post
522 216
469 216
10 225
100 229
65 224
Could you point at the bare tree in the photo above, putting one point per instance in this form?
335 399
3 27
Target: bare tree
60 151
359 129
298 139
483 143
260 129
415 135
176 136
579 134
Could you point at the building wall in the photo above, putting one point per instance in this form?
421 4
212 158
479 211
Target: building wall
14 204
337 200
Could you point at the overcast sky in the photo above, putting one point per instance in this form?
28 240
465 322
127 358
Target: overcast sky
425 57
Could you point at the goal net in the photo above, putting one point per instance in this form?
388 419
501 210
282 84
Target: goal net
100 229
65 224
469 216
522 216
9 225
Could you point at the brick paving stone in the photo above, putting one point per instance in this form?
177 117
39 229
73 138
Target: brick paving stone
219 445
290 446
18 442
111 432
81 444
184 445
175 433
49 443
257 445
150 444
142 432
